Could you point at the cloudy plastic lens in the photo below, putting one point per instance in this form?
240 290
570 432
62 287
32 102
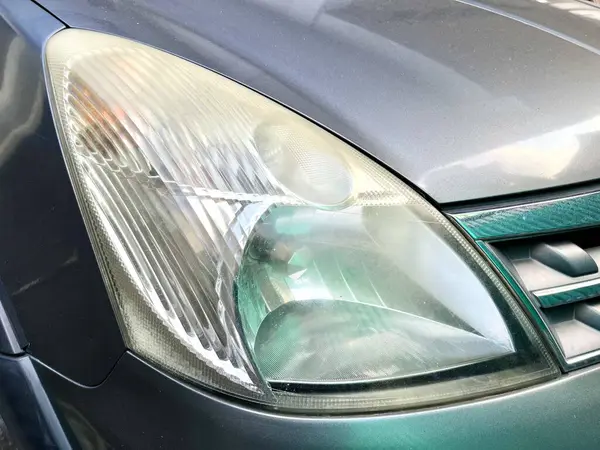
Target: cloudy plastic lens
247 250
362 294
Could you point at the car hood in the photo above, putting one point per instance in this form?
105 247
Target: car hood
466 100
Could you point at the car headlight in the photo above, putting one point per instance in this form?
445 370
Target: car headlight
248 250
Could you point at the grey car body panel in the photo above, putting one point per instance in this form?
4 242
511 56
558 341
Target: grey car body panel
384 75
53 300
139 407
28 415
467 100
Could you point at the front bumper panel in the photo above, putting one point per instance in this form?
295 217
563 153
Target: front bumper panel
140 407
27 418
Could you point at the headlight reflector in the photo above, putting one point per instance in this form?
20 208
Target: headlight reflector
250 251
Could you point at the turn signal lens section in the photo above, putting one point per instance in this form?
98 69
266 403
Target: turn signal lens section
248 251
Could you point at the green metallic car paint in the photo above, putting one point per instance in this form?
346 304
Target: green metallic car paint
549 298
547 216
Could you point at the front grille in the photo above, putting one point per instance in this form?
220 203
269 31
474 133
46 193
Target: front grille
549 252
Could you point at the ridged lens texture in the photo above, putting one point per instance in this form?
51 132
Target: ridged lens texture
250 251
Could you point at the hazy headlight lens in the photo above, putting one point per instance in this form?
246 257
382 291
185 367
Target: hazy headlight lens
361 294
250 251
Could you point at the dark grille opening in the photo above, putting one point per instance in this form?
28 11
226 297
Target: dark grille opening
560 273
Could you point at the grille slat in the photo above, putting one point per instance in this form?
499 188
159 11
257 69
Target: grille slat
565 305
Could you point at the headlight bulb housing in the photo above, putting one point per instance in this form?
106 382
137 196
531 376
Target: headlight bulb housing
248 251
